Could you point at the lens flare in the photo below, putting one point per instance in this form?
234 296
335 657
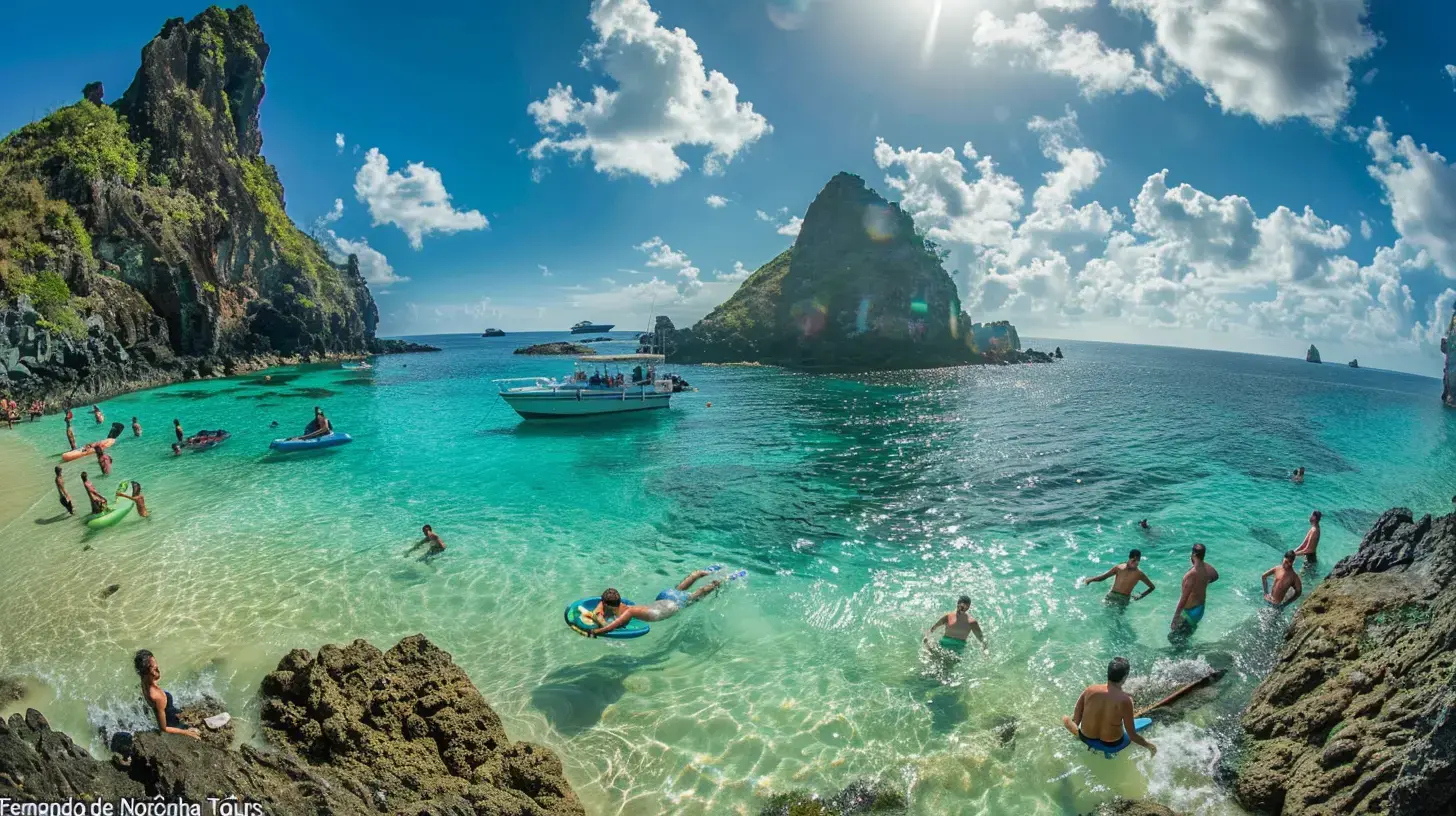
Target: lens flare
878 223
862 318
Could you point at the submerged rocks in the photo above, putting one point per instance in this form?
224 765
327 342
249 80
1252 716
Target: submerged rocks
355 731
1356 715
556 348
856 798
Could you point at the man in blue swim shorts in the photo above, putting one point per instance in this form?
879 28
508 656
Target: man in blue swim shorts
669 602
1195 592
1103 719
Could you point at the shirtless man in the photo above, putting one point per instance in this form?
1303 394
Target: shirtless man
70 435
96 412
1285 579
1311 539
319 427
136 497
1128 576
61 489
98 502
104 460
1195 591
136 428
1103 719
177 427
958 625
436 544
669 602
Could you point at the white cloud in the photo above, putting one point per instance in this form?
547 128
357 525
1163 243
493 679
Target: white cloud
662 256
717 202
739 273
372 263
664 99
1365 230
791 227
784 224
1420 187
545 270
1070 52
951 209
1450 72
339 142
331 216
763 216
415 200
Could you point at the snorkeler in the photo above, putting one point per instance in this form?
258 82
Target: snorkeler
136 497
61 489
1285 579
1103 718
669 602
1310 545
1128 576
957 625
1195 591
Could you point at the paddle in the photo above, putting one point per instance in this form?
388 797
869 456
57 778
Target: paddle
1211 677
116 429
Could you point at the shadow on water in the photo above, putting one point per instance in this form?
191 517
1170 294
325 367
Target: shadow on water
273 457
572 698
1356 520
272 380
357 381
1267 536
53 519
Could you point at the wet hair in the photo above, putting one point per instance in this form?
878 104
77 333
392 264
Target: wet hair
136 488
427 529
176 422
133 419
1317 515
1117 670
83 475
1289 555
611 596
964 599
142 662
58 470
1200 551
1134 554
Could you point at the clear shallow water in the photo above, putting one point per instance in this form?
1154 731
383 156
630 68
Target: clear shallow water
860 506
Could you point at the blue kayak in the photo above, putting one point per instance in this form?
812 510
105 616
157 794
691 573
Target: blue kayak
317 443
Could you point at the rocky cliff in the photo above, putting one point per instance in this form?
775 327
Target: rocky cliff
354 730
1357 715
1313 355
1448 377
859 289
146 241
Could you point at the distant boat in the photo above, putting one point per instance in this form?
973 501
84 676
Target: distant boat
588 327
493 333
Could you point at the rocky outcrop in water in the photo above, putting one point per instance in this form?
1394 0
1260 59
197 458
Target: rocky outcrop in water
146 242
860 289
354 731
1312 356
556 348
1356 716
1448 377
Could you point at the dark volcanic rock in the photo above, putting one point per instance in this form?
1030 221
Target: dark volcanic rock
356 731
1127 807
556 348
859 289
147 242
1356 715
856 798
400 347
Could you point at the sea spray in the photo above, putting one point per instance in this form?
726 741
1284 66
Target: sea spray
1181 775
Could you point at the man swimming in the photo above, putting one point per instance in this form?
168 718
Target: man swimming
1310 545
669 602
1285 580
1103 718
1195 591
61 489
957 625
1128 576
96 412
436 544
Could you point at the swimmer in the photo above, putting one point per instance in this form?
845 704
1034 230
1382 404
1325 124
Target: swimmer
669 602
1195 591
104 460
1103 718
1298 476
177 428
1310 545
169 718
957 625
176 449
436 544
136 428
98 501
136 498
1144 524
61 489
1125 578
1285 580
96 412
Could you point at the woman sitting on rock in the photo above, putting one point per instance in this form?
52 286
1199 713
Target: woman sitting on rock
169 717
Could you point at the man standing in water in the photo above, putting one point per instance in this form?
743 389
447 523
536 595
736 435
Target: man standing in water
1128 576
431 538
1195 592
958 625
98 502
1285 579
70 435
61 489
1311 539
177 427
1103 719
136 428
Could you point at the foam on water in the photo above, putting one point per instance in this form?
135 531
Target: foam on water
861 508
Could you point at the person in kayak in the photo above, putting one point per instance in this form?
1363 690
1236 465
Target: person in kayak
319 427
159 700
61 489
669 602
136 497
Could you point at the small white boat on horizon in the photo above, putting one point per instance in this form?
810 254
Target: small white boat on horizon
601 384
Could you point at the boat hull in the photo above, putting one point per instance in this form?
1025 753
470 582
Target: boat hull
592 329
565 405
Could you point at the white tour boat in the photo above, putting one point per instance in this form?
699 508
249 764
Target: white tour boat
601 384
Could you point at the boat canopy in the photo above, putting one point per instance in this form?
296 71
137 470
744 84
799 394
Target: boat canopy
621 358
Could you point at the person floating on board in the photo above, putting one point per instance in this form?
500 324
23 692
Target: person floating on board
98 502
1125 578
1195 591
957 626
169 718
177 428
1103 719
1309 547
70 435
104 460
136 428
61 489
1285 581
669 602
136 497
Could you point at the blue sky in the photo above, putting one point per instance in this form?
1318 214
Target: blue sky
1257 110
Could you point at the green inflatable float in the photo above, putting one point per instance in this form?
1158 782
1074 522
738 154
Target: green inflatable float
116 513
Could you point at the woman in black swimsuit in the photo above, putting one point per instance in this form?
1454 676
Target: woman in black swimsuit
159 700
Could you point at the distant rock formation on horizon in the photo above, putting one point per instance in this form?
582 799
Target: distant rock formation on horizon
860 289
1355 363
1312 356
556 348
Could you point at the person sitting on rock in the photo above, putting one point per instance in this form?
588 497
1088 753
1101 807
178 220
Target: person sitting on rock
158 700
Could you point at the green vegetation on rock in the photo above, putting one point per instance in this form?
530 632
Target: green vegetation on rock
297 249
88 140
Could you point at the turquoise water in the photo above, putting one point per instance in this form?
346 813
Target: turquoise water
861 508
